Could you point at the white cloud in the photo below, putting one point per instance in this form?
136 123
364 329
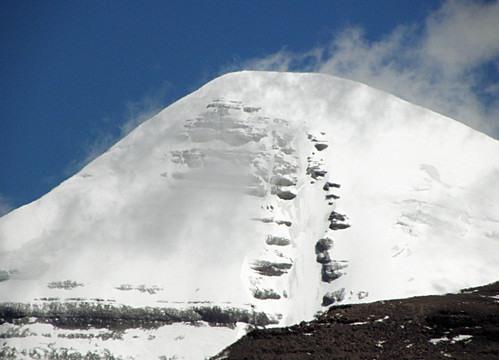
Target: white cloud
438 64
5 205
139 111
135 113
463 35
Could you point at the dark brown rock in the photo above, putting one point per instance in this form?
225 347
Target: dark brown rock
453 326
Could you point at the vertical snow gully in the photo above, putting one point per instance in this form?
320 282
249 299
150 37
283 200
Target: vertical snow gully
330 269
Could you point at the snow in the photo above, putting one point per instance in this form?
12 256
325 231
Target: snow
438 340
382 319
167 208
186 341
460 338
453 340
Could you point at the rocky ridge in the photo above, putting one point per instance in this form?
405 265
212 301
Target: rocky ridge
453 326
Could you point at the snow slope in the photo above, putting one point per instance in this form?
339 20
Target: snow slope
269 195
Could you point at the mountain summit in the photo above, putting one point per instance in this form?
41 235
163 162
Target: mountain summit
259 199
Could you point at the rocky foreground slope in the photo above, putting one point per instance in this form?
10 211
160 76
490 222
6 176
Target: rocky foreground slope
453 326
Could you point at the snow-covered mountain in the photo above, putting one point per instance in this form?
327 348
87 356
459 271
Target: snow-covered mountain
259 199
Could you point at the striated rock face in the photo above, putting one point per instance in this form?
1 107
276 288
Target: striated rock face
277 240
265 294
259 156
82 315
267 268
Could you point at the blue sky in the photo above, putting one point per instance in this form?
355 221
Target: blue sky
75 76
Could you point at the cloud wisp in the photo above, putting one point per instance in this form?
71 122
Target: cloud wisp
447 64
5 206
134 114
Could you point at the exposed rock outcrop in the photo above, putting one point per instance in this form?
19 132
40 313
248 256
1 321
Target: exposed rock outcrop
266 294
277 240
268 268
337 221
333 297
321 146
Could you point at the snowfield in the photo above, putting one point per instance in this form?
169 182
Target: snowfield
257 200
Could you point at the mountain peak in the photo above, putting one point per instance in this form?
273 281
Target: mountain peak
259 199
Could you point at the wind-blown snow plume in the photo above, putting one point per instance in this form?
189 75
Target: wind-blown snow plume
441 64
135 113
